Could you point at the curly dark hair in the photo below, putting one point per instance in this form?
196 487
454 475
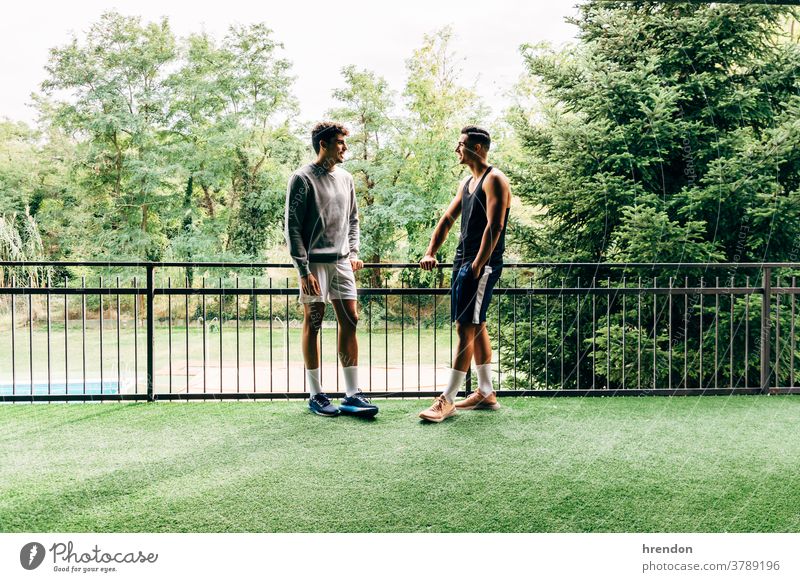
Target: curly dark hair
326 130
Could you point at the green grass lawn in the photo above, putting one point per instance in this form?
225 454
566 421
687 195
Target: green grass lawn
393 347
707 464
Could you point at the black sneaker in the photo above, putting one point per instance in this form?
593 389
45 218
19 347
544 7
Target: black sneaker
357 405
321 404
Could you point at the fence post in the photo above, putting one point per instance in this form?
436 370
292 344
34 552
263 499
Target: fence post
150 330
766 372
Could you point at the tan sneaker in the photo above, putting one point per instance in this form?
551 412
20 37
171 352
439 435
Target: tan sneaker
477 401
439 410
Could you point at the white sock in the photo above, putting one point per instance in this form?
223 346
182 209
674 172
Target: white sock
312 380
455 383
350 380
485 379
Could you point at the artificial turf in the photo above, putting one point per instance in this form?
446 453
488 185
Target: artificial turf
685 464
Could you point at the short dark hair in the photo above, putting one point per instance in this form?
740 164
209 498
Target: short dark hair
477 134
326 130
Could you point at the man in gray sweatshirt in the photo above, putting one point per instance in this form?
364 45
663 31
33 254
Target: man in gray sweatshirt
322 232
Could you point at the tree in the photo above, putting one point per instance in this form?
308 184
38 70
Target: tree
668 134
685 110
109 94
367 110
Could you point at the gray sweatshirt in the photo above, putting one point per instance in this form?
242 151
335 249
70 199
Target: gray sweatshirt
321 216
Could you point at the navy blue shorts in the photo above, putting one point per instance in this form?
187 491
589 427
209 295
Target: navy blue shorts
469 297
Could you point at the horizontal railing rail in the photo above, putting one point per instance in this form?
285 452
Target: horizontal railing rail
556 329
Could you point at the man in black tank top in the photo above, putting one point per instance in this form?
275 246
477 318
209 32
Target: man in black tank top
482 200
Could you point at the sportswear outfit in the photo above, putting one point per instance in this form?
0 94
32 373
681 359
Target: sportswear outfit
469 297
469 300
322 230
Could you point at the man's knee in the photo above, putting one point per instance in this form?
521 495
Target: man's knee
347 313
466 330
313 320
350 318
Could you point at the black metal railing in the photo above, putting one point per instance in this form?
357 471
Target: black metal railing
231 330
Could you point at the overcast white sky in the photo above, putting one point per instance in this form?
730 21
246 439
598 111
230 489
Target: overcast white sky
374 35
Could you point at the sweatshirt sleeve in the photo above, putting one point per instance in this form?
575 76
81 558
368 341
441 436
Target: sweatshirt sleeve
354 234
296 203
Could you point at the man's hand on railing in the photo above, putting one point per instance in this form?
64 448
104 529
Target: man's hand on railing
428 263
310 285
356 264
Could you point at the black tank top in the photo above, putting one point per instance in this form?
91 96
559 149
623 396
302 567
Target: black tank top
473 224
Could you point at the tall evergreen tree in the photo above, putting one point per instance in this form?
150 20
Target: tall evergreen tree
669 131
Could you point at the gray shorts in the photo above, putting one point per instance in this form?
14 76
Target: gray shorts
336 281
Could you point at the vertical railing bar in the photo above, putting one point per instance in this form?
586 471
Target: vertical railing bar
386 336
321 348
561 297
102 380
730 335
747 335
135 336
83 329
47 301
203 305
766 287
546 337
530 334
186 330
271 376
369 329
238 351
594 332
499 342
435 345
288 383
514 310
14 340
716 333
402 336
169 330
151 331
419 345
254 305
792 335
336 345
777 333
578 301
700 378
655 331
30 334
639 334
119 356
66 337
624 323
686 333
669 343
221 304
608 334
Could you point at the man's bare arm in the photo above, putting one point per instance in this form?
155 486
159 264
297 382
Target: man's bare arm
452 213
497 193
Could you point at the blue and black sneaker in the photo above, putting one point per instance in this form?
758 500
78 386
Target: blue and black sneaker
358 405
321 404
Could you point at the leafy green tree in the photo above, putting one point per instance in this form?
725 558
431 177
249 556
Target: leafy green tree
109 93
439 106
682 110
366 108
669 133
